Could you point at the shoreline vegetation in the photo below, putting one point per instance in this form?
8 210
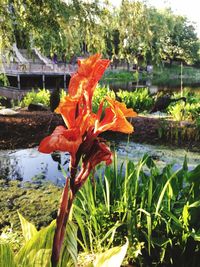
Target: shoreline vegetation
167 205
179 126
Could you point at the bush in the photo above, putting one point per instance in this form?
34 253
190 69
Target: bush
119 75
189 111
42 96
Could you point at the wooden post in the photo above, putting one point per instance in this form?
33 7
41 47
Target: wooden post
43 81
18 82
181 79
65 82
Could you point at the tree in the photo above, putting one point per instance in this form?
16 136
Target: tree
134 32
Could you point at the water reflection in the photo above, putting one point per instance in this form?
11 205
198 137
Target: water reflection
153 88
116 85
30 165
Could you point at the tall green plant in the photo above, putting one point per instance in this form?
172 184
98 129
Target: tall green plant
36 250
157 209
139 99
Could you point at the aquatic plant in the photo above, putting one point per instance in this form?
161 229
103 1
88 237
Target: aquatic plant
81 137
139 99
156 208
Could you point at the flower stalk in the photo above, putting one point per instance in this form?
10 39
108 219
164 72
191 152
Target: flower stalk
63 215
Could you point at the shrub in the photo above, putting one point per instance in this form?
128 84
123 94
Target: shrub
189 111
119 75
42 96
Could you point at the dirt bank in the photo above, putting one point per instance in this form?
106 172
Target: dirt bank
27 129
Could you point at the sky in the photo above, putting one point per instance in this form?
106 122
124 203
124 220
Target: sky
188 8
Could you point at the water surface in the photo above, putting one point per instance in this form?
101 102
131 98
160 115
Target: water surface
31 165
153 87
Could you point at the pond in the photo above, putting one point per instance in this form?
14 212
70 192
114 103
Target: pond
31 165
153 87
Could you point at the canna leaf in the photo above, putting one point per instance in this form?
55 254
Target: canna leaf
69 253
28 229
40 258
37 251
6 255
42 240
112 257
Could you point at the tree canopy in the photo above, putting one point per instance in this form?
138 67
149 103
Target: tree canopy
134 31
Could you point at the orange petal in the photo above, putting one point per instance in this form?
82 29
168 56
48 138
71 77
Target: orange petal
67 108
89 73
87 65
62 140
99 152
115 121
128 112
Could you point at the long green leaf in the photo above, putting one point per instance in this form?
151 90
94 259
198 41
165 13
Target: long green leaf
81 225
173 217
6 255
41 241
112 257
107 199
38 248
195 204
69 253
196 236
163 193
40 258
28 229
149 228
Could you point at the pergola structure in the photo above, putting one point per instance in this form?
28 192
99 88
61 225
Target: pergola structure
27 73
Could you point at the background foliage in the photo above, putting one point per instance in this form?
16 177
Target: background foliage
135 31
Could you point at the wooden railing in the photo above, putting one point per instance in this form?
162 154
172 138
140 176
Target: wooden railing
37 68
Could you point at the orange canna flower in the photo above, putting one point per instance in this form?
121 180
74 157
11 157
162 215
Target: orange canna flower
80 138
67 108
83 126
128 112
98 152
